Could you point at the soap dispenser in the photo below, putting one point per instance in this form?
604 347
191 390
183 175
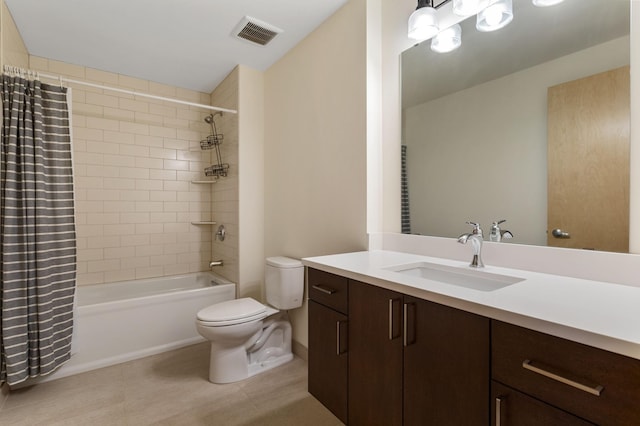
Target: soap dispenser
497 234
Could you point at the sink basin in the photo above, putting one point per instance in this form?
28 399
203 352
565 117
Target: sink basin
462 277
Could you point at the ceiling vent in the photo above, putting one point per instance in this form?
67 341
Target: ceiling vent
255 31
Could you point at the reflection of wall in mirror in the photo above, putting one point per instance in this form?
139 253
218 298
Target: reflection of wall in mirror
480 154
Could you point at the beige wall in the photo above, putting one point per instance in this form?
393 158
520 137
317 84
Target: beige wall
315 145
13 49
251 183
134 160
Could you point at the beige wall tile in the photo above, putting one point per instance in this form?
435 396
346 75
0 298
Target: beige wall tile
134 262
162 174
103 77
103 265
119 252
66 69
133 83
134 240
103 242
90 278
103 123
150 272
118 137
39 63
101 99
132 168
162 89
164 132
120 275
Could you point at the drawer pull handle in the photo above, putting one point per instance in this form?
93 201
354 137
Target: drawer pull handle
323 289
339 350
499 411
593 390
409 326
405 317
392 322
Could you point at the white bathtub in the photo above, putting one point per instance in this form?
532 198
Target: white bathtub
122 321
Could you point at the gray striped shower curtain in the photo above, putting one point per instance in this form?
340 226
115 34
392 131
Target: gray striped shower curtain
37 230
405 216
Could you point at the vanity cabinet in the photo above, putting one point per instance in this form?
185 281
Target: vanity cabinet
328 296
381 357
592 384
415 362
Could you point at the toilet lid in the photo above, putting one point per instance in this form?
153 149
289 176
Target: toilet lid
232 310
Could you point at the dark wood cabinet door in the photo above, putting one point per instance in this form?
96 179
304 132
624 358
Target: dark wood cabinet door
446 365
375 356
513 408
328 358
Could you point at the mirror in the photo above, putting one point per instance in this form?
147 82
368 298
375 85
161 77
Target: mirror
475 120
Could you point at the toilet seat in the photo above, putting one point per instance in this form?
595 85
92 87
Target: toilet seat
233 312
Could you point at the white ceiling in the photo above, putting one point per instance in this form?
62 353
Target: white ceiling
182 43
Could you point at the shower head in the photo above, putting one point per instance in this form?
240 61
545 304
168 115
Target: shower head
209 118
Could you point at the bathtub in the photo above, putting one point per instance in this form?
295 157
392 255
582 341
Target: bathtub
122 321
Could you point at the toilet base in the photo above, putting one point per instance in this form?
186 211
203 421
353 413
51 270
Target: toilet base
263 366
268 348
231 366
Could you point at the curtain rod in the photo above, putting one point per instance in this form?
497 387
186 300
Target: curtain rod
16 70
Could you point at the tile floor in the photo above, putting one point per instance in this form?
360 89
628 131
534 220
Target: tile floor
168 389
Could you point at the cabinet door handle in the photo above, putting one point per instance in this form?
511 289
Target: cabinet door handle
392 335
339 350
546 371
323 289
406 320
499 410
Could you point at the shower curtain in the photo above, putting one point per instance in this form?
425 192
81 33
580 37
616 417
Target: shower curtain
404 193
37 229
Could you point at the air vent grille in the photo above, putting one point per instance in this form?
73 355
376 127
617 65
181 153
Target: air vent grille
256 31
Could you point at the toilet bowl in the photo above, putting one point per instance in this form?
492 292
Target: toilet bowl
248 337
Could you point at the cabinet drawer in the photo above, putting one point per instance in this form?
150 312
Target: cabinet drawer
328 289
513 408
594 384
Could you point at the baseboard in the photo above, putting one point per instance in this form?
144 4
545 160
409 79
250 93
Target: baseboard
300 350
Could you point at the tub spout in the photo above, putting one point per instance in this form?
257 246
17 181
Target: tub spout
216 263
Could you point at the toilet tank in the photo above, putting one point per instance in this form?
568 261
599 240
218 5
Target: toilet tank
284 282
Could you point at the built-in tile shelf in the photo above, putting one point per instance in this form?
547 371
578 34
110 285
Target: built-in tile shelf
204 182
206 222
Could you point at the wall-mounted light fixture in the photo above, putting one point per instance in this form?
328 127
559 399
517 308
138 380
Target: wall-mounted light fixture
468 7
498 14
423 22
492 15
447 40
545 3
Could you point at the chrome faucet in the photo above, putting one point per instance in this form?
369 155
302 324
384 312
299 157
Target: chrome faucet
476 239
216 263
498 234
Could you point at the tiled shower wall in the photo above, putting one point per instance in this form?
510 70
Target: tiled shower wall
225 192
134 160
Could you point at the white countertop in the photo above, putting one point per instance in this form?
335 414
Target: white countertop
598 314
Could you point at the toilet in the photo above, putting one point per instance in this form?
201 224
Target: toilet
248 337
